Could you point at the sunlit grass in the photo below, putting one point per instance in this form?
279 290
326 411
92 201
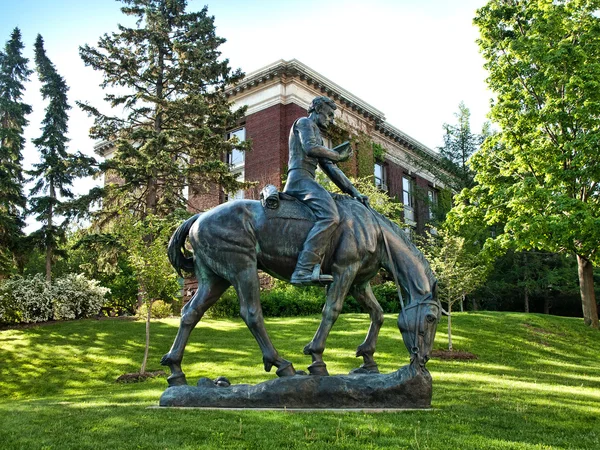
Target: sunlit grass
535 385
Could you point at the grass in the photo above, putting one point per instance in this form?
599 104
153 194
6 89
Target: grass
535 385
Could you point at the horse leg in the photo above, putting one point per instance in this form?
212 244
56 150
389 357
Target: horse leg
209 291
247 286
364 295
336 294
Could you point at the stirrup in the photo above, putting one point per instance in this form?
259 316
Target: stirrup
316 277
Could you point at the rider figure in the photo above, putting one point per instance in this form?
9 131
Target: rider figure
306 151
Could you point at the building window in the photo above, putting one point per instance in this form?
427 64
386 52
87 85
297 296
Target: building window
432 197
380 176
235 159
408 199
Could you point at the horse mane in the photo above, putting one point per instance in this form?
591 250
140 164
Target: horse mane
349 202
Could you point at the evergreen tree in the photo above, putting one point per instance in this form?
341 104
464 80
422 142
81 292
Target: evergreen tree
13 73
57 169
171 87
459 144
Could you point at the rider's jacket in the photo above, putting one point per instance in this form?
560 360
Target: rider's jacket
304 135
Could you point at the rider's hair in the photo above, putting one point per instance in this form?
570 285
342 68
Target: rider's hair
318 102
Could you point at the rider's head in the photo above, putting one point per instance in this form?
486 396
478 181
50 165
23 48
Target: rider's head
322 109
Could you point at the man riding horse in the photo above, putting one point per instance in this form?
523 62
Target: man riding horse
306 152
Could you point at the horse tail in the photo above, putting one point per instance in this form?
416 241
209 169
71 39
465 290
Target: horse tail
178 260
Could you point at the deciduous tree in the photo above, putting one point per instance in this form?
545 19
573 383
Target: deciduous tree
539 175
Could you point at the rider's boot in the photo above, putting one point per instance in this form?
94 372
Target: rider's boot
308 270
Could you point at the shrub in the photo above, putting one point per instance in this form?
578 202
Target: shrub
285 300
25 300
160 310
75 297
32 299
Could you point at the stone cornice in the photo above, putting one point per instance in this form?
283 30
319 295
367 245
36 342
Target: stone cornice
283 69
294 68
101 147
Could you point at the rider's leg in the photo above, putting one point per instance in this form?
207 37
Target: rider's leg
318 240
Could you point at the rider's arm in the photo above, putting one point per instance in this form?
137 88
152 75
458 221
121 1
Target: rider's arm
339 179
309 142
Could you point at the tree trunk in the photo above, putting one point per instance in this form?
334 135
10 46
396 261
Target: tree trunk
49 249
547 304
147 349
526 299
462 303
449 326
474 304
586 288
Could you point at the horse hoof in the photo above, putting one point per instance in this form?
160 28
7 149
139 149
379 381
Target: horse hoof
365 370
177 380
318 368
222 382
286 371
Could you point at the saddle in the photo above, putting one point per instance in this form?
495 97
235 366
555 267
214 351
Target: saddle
283 206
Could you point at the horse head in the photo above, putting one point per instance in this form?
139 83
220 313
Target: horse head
418 324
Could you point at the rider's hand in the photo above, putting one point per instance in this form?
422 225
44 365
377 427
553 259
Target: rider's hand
363 199
345 154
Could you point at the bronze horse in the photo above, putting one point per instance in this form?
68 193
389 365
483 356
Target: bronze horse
232 241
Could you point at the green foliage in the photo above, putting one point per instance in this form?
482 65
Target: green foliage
459 144
169 81
33 299
55 173
100 258
538 176
159 310
459 271
534 386
13 74
285 300
546 281
378 151
145 242
380 201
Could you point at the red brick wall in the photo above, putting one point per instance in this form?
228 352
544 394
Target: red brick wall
269 131
394 179
421 207
203 198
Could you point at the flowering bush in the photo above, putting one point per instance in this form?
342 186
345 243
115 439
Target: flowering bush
74 297
32 299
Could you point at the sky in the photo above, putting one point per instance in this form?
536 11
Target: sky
414 60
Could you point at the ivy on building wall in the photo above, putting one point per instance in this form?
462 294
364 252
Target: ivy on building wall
362 161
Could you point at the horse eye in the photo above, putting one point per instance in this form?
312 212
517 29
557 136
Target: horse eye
430 318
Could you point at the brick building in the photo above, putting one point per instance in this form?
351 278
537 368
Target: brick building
277 95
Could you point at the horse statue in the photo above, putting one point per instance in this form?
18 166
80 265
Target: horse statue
232 241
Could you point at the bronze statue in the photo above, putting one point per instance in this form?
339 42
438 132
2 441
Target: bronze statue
306 151
295 236
232 241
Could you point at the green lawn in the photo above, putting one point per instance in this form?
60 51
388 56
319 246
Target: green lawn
535 385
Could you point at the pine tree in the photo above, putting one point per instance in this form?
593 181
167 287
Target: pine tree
57 169
13 73
459 144
176 113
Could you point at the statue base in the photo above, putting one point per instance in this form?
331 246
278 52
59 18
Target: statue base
407 388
